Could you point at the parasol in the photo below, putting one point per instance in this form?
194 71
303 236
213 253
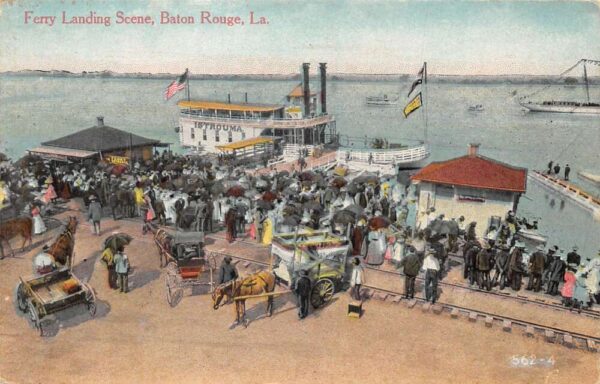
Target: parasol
339 182
344 217
367 178
312 205
217 188
264 204
379 222
356 209
235 191
291 220
307 176
269 196
117 240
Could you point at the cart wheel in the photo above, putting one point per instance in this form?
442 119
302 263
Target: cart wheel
174 294
34 316
90 298
322 292
21 298
172 268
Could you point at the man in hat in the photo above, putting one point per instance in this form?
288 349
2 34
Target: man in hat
412 265
122 267
95 214
501 266
536 268
567 172
557 273
227 271
470 252
547 264
357 278
432 268
302 289
484 265
573 257
516 266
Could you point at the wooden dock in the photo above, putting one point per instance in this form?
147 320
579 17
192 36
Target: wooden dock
576 194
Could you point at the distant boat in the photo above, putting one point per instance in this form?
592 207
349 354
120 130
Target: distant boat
383 100
589 177
476 108
566 106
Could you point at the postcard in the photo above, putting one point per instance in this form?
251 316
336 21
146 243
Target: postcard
282 191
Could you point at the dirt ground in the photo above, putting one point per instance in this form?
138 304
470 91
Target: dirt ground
137 337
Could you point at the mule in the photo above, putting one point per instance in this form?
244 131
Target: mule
62 248
9 229
255 284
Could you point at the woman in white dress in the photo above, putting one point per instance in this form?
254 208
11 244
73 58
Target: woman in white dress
38 222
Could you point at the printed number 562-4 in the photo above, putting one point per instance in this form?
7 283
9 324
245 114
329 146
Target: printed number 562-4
531 361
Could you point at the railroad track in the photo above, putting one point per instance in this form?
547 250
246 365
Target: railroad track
519 298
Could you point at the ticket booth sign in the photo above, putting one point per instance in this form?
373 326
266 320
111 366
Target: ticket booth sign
117 160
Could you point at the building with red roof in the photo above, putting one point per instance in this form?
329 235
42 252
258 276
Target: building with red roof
474 186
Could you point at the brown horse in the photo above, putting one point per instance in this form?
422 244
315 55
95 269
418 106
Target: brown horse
255 284
11 228
62 248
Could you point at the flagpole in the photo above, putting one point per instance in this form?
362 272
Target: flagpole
426 93
187 80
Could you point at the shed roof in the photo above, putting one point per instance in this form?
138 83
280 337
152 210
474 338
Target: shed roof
475 172
100 138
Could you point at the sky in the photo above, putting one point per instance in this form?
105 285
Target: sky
352 36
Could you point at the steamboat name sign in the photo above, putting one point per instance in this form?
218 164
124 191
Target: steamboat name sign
218 127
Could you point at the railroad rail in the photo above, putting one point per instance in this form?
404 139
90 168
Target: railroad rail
550 334
519 298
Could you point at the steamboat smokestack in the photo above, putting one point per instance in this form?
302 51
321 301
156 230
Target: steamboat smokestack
229 98
246 97
323 67
306 88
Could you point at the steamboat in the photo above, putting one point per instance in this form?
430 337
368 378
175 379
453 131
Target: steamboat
252 130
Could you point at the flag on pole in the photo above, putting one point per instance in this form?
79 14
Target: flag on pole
422 71
414 85
176 85
413 105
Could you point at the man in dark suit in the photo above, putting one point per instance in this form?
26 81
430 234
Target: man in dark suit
302 289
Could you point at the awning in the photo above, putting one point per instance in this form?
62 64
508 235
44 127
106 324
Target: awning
58 153
245 143
228 106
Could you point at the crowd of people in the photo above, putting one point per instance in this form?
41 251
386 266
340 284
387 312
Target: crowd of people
378 214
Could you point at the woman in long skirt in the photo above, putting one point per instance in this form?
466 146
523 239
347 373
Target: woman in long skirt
38 222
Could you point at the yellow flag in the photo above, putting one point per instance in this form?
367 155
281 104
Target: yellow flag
413 105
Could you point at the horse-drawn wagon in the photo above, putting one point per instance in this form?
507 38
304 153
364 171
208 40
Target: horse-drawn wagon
322 254
186 262
51 293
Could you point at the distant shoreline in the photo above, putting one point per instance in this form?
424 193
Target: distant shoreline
455 79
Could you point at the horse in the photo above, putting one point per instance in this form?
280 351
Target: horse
159 211
123 201
62 248
255 284
18 226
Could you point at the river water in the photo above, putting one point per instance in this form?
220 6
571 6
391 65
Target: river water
36 109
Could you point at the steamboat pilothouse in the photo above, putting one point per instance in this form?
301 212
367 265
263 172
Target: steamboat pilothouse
255 131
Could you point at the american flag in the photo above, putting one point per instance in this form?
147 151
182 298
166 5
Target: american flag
176 85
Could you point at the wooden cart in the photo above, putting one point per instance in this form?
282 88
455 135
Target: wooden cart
51 293
186 262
